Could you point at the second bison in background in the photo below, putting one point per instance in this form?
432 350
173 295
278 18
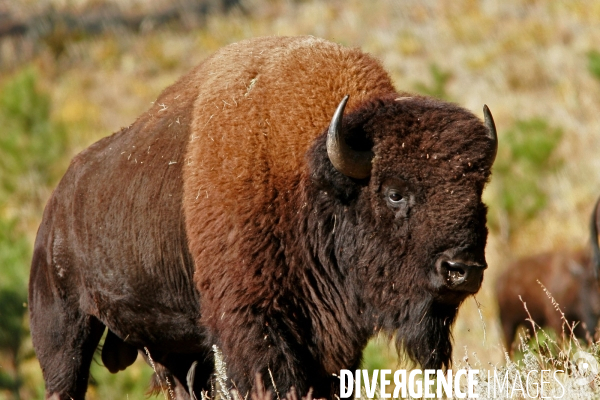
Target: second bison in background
571 279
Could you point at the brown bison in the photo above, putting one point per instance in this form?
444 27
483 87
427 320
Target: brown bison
244 210
571 279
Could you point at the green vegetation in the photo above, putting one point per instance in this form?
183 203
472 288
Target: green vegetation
32 143
594 63
379 354
133 382
437 88
525 160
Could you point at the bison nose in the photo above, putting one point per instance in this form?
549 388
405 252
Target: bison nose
461 276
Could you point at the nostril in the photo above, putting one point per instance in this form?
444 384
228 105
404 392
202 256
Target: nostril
455 272
458 274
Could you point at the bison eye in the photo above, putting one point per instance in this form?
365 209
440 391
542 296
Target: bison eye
395 197
398 196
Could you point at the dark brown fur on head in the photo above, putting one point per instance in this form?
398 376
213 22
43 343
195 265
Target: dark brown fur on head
439 154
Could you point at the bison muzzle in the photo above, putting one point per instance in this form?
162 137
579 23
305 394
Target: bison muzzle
283 202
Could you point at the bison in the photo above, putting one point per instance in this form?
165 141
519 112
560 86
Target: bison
570 278
281 201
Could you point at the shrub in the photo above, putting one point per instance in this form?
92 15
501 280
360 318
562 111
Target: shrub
437 88
525 160
32 144
594 63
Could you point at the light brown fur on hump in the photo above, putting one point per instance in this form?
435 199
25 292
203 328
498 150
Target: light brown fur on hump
260 104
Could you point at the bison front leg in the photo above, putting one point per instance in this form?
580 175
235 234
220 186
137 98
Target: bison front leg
65 343
64 337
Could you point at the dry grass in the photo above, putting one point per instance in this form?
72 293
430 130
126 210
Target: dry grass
514 379
543 351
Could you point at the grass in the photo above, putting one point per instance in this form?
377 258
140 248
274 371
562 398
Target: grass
563 371
539 64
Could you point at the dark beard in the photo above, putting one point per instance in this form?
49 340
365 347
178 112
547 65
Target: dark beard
425 337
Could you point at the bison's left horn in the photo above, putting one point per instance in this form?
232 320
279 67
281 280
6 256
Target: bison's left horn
348 161
489 123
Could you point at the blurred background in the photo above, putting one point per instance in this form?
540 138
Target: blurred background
73 71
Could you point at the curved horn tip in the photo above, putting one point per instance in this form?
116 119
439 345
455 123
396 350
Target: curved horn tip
491 128
339 111
489 122
336 122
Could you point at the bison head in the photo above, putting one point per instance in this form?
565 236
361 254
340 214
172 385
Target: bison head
403 179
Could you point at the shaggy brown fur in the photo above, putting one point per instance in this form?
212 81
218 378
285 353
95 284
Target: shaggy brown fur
217 218
570 277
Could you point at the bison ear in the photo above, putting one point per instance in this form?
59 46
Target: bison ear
348 161
491 126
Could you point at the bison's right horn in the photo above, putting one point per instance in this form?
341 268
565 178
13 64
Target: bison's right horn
489 123
594 240
350 162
